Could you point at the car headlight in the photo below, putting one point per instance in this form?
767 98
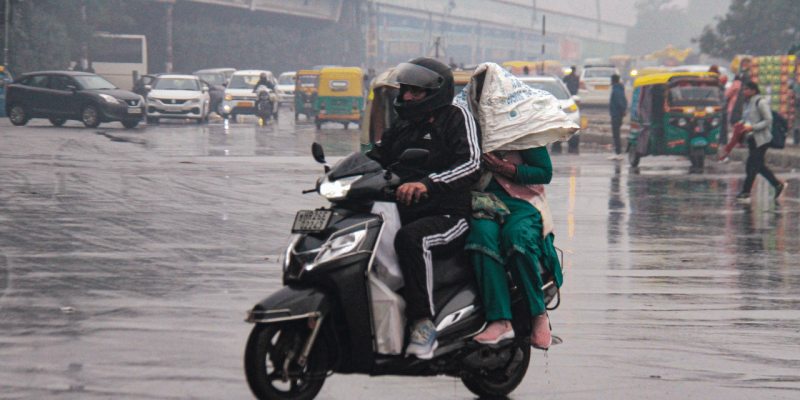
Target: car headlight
634 72
228 97
715 122
109 98
338 246
338 189
194 101
682 122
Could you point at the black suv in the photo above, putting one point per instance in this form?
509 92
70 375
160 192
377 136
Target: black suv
63 95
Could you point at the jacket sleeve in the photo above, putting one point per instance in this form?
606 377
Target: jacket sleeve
766 116
464 137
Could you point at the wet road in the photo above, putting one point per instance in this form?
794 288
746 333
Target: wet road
128 258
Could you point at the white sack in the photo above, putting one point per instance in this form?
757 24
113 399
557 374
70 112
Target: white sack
386 267
388 317
513 115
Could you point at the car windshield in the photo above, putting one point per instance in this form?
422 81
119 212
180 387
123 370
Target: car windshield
177 84
94 82
243 81
599 73
286 80
552 87
687 94
308 80
214 79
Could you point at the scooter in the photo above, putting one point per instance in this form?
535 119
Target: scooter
321 322
265 103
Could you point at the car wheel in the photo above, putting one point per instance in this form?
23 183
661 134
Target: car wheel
57 121
130 124
18 116
90 116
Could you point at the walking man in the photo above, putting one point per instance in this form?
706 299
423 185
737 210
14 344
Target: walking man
617 107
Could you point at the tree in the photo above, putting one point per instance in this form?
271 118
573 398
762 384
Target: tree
755 27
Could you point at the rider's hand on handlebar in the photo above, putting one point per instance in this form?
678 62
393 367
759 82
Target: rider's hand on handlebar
411 191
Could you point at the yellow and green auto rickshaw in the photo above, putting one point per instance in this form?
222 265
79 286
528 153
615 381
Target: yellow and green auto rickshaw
677 113
341 96
305 94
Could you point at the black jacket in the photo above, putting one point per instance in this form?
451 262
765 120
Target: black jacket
452 137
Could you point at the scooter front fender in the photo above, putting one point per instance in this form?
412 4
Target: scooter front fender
290 304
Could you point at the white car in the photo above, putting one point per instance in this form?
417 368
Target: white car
568 103
285 88
239 97
177 96
596 85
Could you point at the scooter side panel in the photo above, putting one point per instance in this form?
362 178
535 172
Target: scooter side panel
290 303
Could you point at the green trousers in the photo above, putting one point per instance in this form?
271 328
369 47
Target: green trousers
517 243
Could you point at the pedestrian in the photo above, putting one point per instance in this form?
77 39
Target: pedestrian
438 225
722 79
756 125
618 106
572 81
90 69
738 103
526 71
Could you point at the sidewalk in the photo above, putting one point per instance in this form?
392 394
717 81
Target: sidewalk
599 132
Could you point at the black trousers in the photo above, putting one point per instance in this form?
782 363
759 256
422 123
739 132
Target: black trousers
417 243
755 165
616 125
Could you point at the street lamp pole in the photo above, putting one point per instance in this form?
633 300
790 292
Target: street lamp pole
5 26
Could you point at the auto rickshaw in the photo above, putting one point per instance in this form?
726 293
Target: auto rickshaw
379 112
305 94
677 113
341 96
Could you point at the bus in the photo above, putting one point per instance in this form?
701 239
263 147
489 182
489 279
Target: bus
119 58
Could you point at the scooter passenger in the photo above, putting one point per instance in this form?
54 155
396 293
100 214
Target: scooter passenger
438 225
520 237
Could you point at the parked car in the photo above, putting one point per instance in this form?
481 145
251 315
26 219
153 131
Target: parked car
69 95
285 88
595 87
239 96
567 102
177 96
216 79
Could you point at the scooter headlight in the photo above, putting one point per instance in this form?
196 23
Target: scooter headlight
337 189
338 246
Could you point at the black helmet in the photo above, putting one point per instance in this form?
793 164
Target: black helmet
432 75
263 76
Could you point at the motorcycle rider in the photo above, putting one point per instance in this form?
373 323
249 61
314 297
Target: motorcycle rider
438 225
263 81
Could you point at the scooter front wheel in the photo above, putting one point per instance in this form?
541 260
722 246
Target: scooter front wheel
502 381
271 362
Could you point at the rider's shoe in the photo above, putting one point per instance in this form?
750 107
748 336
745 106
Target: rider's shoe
541 338
423 340
495 333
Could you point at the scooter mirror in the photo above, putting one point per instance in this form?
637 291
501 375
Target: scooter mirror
414 157
318 153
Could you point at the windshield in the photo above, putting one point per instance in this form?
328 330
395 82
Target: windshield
214 79
89 82
599 73
552 87
286 80
176 84
309 81
243 81
688 94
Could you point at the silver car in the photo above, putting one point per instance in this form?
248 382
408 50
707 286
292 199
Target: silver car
285 88
568 104
239 96
177 96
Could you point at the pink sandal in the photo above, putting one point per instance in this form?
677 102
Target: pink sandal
495 333
541 338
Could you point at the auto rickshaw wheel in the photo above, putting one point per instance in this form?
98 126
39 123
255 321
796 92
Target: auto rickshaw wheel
697 158
633 156
346 125
318 123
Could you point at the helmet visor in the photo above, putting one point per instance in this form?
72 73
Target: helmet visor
415 75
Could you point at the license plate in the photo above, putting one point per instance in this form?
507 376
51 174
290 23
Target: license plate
244 104
602 87
311 221
134 111
173 109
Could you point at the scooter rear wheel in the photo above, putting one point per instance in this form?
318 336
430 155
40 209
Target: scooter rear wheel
265 356
501 382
